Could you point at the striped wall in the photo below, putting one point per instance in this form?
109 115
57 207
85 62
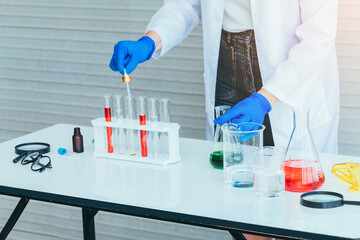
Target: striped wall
54 59
54 69
348 48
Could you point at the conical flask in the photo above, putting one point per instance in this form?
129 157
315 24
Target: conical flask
216 156
303 171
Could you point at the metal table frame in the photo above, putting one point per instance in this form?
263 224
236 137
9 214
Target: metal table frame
91 207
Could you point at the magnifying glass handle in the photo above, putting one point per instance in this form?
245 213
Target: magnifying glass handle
352 203
19 158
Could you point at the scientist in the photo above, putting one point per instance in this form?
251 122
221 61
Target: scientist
262 57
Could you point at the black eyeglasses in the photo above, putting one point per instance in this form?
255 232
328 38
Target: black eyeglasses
38 161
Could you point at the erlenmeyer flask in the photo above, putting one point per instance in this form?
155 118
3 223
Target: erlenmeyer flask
216 156
303 172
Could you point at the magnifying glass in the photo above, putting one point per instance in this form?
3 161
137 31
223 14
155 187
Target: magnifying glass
25 148
324 199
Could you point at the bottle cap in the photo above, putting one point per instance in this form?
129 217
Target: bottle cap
77 130
62 151
126 78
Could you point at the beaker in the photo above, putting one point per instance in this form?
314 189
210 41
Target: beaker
216 156
303 171
240 143
269 179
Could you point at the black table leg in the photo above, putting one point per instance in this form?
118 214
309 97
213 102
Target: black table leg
237 235
88 215
13 218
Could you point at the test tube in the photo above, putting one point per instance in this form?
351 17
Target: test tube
119 132
164 106
140 107
107 109
153 109
119 107
129 107
153 119
143 137
130 133
164 109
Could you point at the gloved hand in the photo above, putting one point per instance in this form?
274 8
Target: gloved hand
251 109
128 54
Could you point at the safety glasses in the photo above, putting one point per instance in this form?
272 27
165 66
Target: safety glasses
350 173
38 161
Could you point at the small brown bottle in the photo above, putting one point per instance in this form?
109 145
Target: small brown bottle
77 139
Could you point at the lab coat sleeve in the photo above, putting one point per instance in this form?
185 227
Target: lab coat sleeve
174 21
306 60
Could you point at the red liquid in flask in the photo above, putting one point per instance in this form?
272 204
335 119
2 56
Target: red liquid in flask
299 175
109 130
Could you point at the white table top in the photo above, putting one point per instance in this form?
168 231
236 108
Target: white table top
190 187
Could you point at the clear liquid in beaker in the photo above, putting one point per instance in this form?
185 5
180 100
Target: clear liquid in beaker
269 182
239 176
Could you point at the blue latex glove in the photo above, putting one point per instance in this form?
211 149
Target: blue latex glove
128 54
251 109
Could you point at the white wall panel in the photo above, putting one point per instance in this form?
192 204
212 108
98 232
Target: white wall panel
54 69
348 48
54 58
59 52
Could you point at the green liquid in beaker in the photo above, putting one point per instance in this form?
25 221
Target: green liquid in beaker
216 159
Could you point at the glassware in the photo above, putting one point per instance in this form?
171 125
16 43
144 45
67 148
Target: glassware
119 133
303 171
131 145
109 133
240 143
164 112
154 139
269 179
140 105
119 107
216 156
129 108
141 113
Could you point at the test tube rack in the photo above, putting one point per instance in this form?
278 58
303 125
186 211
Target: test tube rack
171 130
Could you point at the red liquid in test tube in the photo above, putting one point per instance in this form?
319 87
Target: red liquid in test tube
109 129
142 118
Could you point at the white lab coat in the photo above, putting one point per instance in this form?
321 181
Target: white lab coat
297 57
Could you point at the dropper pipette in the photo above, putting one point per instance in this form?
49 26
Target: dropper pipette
126 80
